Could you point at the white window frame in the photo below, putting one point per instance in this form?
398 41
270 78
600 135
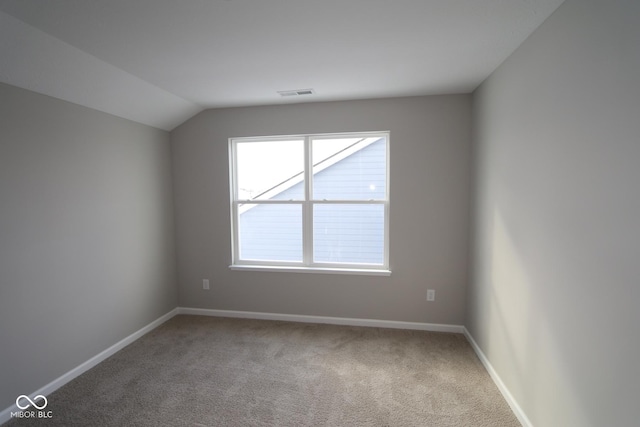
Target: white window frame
307 265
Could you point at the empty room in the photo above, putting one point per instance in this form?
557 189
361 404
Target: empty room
320 213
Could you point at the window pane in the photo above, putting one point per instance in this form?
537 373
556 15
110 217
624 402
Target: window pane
349 168
270 232
348 233
270 170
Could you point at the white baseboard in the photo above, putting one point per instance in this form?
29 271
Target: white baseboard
62 380
515 407
434 327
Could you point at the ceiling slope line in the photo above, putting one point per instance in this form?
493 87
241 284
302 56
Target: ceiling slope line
37 61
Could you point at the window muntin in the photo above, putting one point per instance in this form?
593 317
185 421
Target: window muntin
315 201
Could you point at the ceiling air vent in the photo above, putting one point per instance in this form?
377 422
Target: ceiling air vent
297 92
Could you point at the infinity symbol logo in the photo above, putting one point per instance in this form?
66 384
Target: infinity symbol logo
32 402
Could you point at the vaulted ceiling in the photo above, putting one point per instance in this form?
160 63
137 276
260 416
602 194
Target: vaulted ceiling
159 62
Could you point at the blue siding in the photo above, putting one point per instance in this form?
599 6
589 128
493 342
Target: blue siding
342 233
271 233
348 233
351 178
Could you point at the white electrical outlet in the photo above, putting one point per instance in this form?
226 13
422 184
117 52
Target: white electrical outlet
431 295
205 284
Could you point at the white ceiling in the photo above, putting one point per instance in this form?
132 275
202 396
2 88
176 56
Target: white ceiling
159 62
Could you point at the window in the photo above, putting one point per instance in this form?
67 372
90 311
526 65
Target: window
311 202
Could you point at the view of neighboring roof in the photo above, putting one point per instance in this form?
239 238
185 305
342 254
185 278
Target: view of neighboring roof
322 164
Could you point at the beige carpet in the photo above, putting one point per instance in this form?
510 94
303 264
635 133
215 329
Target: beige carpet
205 371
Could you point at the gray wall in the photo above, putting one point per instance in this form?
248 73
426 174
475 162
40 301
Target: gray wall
430 157
86 235
554 296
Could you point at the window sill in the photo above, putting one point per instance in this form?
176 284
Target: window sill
327 270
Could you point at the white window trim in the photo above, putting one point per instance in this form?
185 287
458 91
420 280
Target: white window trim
306 265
